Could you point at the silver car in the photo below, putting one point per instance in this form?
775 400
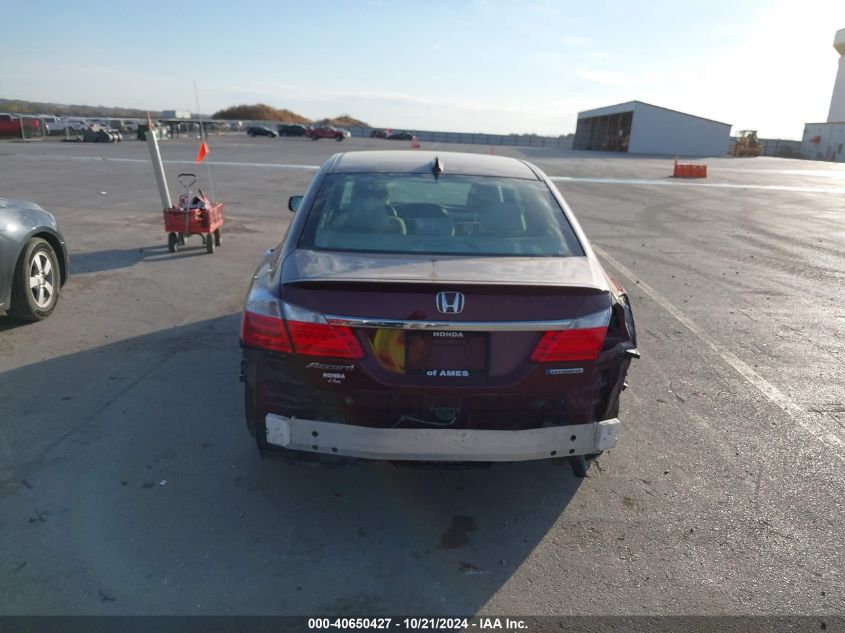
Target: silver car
34 261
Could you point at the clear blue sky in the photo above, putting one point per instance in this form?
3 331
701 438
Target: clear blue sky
473 65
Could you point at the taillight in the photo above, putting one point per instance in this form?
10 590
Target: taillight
263 327
582 340
313 336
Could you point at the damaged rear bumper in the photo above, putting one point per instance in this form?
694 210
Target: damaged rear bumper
459 445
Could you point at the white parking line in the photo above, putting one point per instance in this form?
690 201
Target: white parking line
674 182
813 426
660 182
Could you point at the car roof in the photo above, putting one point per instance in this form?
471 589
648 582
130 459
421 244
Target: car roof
420 162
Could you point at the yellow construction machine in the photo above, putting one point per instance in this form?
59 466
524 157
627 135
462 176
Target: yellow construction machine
746 144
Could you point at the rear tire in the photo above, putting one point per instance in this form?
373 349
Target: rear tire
172 242
268 451
209 243
579 466
36 282
217 239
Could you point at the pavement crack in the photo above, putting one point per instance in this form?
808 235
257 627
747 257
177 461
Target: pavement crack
678 396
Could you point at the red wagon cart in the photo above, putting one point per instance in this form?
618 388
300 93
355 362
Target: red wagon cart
195 215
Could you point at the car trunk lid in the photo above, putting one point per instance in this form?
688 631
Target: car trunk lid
310 266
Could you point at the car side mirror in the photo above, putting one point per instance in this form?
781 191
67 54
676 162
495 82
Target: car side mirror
294 202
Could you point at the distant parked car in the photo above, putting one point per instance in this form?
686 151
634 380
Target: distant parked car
261 130
76 124
52 124
10 125
33 260
292 129
401 136
379 134
328 131
58 125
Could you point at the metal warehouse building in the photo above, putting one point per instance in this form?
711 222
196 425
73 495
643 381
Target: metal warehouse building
642 128
826 141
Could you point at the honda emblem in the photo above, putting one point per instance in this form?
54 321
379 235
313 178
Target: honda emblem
449 302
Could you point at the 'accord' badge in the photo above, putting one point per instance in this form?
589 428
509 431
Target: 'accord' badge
449 302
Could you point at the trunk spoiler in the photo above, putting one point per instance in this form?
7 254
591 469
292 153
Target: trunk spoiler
318 267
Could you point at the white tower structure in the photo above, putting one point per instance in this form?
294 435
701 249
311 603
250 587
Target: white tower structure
837 101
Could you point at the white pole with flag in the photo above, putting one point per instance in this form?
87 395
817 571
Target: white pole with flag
158 167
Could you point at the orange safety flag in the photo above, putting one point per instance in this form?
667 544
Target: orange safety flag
202 153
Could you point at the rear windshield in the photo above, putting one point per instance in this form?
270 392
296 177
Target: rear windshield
452 215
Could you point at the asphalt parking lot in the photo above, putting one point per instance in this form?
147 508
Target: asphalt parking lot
129 484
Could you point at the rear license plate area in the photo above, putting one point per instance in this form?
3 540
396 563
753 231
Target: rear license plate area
446 354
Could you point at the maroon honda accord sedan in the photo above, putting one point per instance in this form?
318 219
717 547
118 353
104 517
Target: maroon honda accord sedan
434 307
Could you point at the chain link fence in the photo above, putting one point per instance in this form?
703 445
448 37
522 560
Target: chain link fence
22 127
780 148
213 128
30 127
476 138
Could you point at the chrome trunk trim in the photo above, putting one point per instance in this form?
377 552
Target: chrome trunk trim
464 326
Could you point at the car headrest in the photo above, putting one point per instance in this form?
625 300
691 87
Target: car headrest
370 190
502 218
481 194
373 219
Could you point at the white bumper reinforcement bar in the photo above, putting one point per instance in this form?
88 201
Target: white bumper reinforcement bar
459 445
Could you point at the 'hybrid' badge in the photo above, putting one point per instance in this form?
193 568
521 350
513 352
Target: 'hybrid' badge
565 372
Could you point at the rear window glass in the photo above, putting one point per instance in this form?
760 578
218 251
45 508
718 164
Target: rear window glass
452 215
